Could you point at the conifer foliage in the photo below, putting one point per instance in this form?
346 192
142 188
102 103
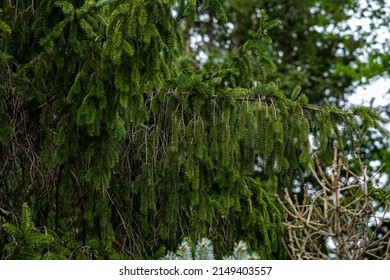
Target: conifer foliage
122 152
204 251
27 241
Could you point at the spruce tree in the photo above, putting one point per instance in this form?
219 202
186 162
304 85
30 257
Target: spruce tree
123 152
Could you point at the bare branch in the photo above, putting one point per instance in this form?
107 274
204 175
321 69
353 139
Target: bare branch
334 224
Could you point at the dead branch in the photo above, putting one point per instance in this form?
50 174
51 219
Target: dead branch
335 223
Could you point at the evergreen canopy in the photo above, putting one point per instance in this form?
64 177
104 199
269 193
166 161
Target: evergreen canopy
122 151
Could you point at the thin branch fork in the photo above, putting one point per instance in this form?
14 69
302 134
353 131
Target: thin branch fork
344 219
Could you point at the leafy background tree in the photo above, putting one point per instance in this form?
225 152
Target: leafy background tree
123 144
315 45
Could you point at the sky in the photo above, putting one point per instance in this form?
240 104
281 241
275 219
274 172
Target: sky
378 88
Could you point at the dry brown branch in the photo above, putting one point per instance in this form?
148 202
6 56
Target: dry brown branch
335 223
6 214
